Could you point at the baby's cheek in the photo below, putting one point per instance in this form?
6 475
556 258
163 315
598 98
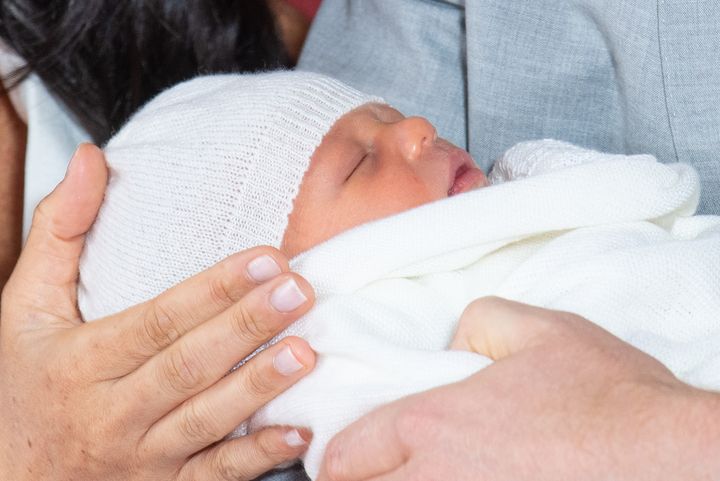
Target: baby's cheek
305 227
365 200
395 198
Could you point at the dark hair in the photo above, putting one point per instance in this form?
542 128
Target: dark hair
103 59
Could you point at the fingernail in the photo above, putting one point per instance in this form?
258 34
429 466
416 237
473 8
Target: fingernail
286 363
294 439
287 296
73 160
263 268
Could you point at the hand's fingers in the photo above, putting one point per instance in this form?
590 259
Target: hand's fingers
248 457
142 331
204 355
498 328
46 274
368 448
213 414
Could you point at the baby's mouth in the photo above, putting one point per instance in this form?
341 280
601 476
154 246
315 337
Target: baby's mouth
466 175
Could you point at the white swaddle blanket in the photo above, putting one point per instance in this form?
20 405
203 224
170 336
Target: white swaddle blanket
608 237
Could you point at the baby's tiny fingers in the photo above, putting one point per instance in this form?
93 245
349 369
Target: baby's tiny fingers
248 457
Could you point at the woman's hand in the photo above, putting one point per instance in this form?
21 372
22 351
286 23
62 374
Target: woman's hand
141 394
564 400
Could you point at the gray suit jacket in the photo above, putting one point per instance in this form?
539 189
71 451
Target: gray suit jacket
624 76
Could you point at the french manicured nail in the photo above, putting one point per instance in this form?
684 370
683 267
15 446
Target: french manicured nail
287 296
263 268
294 439
286 363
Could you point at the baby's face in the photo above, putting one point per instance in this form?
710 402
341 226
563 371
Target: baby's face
374 162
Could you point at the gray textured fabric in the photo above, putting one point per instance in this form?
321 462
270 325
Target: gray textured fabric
414 59
623 76
296 473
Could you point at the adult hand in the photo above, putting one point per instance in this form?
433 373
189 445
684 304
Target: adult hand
141 394
564 400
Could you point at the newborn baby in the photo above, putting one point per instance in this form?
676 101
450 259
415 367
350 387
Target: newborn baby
366 200
215 165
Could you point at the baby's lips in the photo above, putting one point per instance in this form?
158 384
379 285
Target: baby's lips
464 174
468 179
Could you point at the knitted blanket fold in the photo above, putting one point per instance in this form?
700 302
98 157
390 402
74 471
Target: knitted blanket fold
609 237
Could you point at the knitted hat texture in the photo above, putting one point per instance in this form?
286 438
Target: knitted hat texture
206 169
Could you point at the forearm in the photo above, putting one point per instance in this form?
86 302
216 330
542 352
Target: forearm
696 444
668 431
12 163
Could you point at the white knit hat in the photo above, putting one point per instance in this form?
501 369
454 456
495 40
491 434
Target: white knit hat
208 168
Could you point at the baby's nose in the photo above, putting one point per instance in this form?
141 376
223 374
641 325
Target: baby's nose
413 135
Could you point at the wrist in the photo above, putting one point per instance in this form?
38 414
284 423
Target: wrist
680 434
701 424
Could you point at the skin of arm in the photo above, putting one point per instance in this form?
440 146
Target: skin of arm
563 400
13 134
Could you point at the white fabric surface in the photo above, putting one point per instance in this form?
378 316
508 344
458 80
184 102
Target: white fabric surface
208 168
608 237
52 137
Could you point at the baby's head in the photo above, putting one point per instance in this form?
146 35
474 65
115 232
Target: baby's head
374 162
223 163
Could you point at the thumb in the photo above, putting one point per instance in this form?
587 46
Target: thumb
369 448
498 328
45 278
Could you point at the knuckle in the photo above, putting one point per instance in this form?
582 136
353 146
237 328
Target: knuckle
228 463
256 384
220 292
196 424
41 216
226 466
180 372
246 324
225 471
158 327
269 447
